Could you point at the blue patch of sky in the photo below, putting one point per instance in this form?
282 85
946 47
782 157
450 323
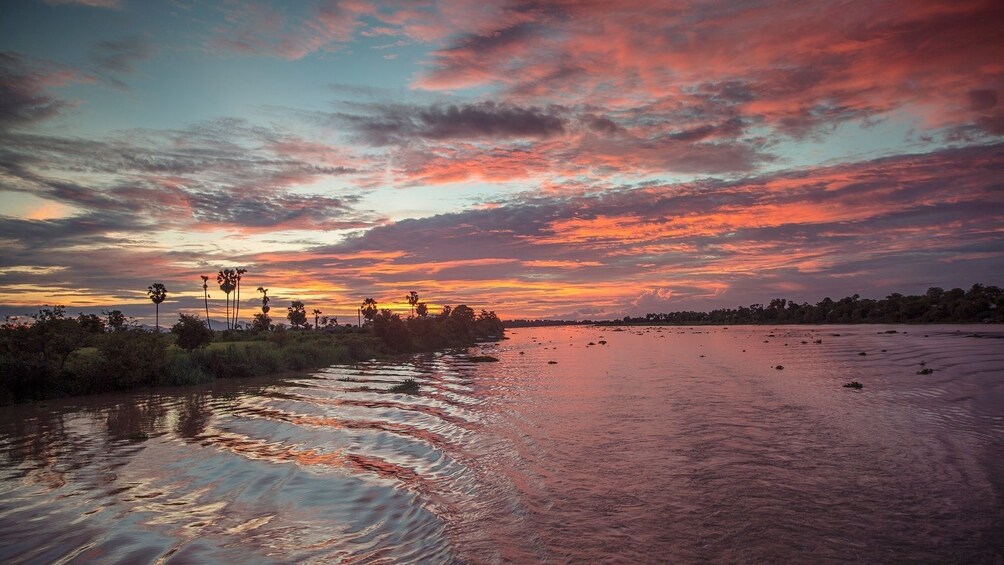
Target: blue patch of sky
185 80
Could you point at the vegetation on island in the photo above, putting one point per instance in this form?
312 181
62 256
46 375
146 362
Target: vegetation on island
54 354
980 304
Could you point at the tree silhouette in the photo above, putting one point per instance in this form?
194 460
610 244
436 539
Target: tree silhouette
192 334
412 299
369 309
317 313
157 293
422 309
225 278
264 300
297 314
205 293
262 321
116 320
238 274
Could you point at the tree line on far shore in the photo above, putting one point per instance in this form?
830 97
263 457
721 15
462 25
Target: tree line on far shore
980 304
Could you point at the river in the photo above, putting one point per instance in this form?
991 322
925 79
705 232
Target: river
661 444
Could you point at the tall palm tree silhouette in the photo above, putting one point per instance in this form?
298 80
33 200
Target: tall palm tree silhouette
225 278
238 274
205 292
413 300
157 293
369 309
317 313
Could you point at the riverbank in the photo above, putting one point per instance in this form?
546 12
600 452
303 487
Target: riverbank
58 357
135 359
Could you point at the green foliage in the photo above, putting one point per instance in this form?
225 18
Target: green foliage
392 330
56 356
261 322
157 293
91 323
412 299
192 332
280 337
116 320
84 372
183 370
133 358
369 309
455 327
297 314
231 361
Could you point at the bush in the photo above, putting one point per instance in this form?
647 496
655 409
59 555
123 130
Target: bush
183 370
133 357
192 332
249 359
392 330
85 372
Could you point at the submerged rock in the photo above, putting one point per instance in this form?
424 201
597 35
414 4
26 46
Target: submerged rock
482 359
854 384
409 386
925 371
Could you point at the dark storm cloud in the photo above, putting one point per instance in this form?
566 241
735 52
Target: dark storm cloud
392 124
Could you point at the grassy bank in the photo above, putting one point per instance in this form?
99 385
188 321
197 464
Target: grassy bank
133 359
58 356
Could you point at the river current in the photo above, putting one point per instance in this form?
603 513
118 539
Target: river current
581 444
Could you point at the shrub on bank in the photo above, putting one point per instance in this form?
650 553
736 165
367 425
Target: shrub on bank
192 332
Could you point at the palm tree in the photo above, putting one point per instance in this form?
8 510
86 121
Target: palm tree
225 278
238 273
369 309
157 293
317 313
205 292
412 299
264 300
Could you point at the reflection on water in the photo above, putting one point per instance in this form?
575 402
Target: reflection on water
635 445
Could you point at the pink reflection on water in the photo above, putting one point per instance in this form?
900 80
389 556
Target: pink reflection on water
676 444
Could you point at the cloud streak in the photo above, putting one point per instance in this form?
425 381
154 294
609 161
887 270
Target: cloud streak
120 56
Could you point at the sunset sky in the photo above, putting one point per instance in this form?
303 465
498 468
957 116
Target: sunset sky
571 159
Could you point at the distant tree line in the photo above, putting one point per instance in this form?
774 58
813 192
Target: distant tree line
979 304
